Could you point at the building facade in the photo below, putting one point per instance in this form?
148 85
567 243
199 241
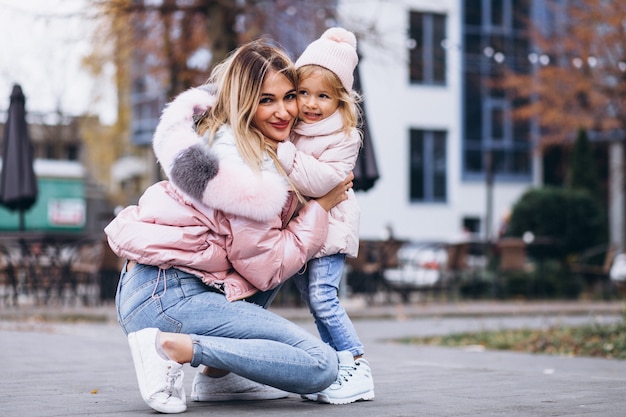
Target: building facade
451 159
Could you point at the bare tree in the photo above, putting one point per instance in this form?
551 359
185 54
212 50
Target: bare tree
178 41
579 75
161 48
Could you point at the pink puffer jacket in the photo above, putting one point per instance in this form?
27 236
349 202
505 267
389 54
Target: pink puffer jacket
318 157
216 218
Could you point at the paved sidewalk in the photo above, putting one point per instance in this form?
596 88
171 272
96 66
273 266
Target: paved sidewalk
54 368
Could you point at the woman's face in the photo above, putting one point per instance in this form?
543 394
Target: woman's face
277 108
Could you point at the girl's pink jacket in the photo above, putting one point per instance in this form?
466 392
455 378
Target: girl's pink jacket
230 226
318 157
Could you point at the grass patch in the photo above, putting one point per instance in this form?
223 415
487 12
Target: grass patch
594 340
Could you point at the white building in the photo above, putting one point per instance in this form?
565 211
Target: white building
432 171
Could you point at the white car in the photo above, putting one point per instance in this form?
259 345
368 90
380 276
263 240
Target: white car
421 266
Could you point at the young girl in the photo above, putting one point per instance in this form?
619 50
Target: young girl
322 151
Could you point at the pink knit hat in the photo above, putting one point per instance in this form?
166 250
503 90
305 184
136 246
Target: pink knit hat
335 50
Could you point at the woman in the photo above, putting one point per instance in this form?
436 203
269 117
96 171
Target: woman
226 217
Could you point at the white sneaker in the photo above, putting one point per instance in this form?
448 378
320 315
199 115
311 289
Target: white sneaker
354 382
160 380
232 387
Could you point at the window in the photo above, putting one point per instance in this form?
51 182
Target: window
148 81
497 13
520 12
473 12
494 38
427 52
146 104
428 163
498 123
49 151
72 152
471 224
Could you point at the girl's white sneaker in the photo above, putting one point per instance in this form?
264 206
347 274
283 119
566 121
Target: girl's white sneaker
354 382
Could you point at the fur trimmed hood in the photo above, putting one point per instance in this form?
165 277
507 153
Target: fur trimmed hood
215 176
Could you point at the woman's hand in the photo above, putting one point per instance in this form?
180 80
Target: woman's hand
337 194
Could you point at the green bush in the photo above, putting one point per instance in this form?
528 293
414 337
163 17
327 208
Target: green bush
547 280
569 220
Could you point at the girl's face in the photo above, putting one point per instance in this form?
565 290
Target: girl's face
277 109
315 99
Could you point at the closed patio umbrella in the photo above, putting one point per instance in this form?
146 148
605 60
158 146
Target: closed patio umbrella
365 169
18 183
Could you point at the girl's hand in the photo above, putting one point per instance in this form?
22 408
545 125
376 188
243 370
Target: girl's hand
337 194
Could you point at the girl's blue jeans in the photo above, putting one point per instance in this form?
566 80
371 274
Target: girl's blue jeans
239 336
319 288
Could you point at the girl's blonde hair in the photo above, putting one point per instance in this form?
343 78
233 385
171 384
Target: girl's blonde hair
348 100
237 83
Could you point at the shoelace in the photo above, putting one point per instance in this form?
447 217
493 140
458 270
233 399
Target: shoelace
172 377
345 373
358 364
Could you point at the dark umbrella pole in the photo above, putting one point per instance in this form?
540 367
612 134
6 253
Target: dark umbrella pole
18 182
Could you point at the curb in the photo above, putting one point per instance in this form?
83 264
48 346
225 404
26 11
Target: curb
356 308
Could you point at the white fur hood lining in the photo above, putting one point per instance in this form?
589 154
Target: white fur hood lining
216 177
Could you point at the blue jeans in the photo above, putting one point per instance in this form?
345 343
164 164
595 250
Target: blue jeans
319 288
239 336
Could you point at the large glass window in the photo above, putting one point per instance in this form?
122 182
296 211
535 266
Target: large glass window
497 13
498 123
146 105
473 12
494 39
428 165
427 51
